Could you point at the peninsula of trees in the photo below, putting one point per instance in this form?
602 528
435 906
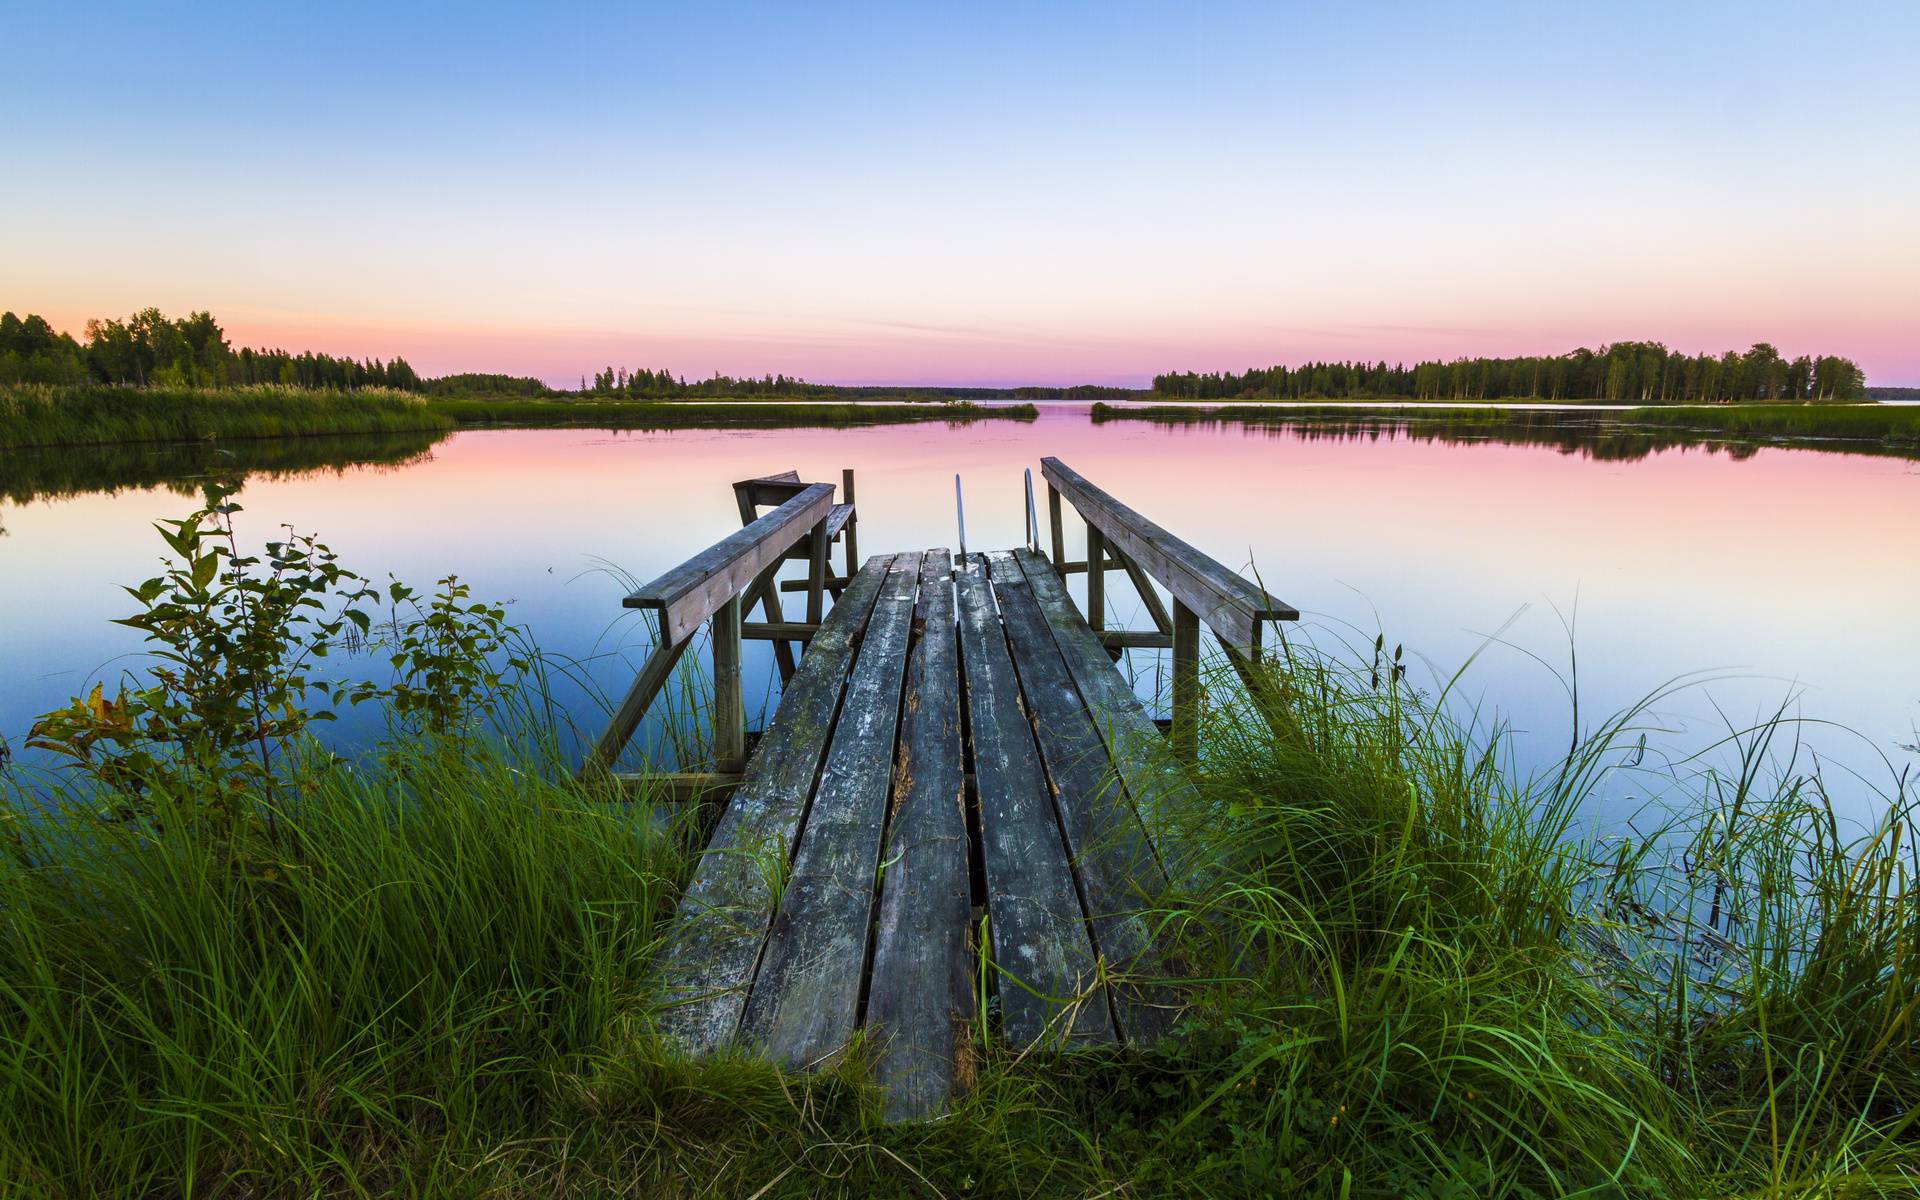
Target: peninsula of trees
1625 372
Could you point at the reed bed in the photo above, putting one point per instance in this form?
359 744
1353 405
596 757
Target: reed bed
44 415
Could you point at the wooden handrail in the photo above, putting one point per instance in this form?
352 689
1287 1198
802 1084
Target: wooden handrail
1230 605
718 583
693 591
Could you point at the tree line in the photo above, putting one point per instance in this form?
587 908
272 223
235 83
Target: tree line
665 384
1626 372
150 349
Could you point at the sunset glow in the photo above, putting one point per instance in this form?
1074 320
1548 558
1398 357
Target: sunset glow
977 197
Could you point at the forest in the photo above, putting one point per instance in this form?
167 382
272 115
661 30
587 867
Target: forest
150 349
1624 372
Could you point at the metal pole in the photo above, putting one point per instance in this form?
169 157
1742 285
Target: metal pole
1033 516
960 511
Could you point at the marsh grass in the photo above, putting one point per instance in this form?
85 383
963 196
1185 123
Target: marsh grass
45 415
1409 974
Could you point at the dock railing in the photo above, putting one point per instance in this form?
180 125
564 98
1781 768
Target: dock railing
718 585
1204 591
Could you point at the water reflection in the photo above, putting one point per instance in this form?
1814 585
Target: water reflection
1602 435
1784 570
51 472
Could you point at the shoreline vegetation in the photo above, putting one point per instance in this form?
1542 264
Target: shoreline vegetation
39 415
1611 433
235 964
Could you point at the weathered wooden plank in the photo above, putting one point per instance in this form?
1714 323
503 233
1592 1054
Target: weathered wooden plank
920 1004
837 518
1230 605
1119 876
689 593
715 939
1165 797
805 999
769 489
1045 965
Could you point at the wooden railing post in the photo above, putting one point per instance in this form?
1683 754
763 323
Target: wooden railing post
1096 577
817 576
853 522
729 708
1186 681
1053 521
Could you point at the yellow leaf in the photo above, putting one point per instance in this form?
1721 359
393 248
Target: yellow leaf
96 705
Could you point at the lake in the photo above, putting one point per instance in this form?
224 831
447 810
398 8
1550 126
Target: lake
1787 575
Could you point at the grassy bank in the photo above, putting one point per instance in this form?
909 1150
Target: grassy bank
431 978
38 415
622 414
428 971
1613 433
41 415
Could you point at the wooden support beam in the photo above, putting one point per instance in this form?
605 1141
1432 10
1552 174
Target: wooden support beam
1186 681
729 708
653 676
681 787
801 585
786 631
1150 597
1133 639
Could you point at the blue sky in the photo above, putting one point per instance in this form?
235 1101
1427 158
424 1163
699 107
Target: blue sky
987 194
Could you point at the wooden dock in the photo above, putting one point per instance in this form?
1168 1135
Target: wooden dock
958 800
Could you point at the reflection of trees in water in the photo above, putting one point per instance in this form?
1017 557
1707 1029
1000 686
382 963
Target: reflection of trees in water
51 472
1595 436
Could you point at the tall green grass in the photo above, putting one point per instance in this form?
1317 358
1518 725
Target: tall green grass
365 1001
42 415
1409 973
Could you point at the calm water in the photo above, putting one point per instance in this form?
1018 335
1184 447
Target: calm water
1787 573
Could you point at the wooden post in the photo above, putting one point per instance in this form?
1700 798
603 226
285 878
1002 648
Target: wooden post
1096 577
817 576
769 595
853 523
729 709
1053 520
1186 682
